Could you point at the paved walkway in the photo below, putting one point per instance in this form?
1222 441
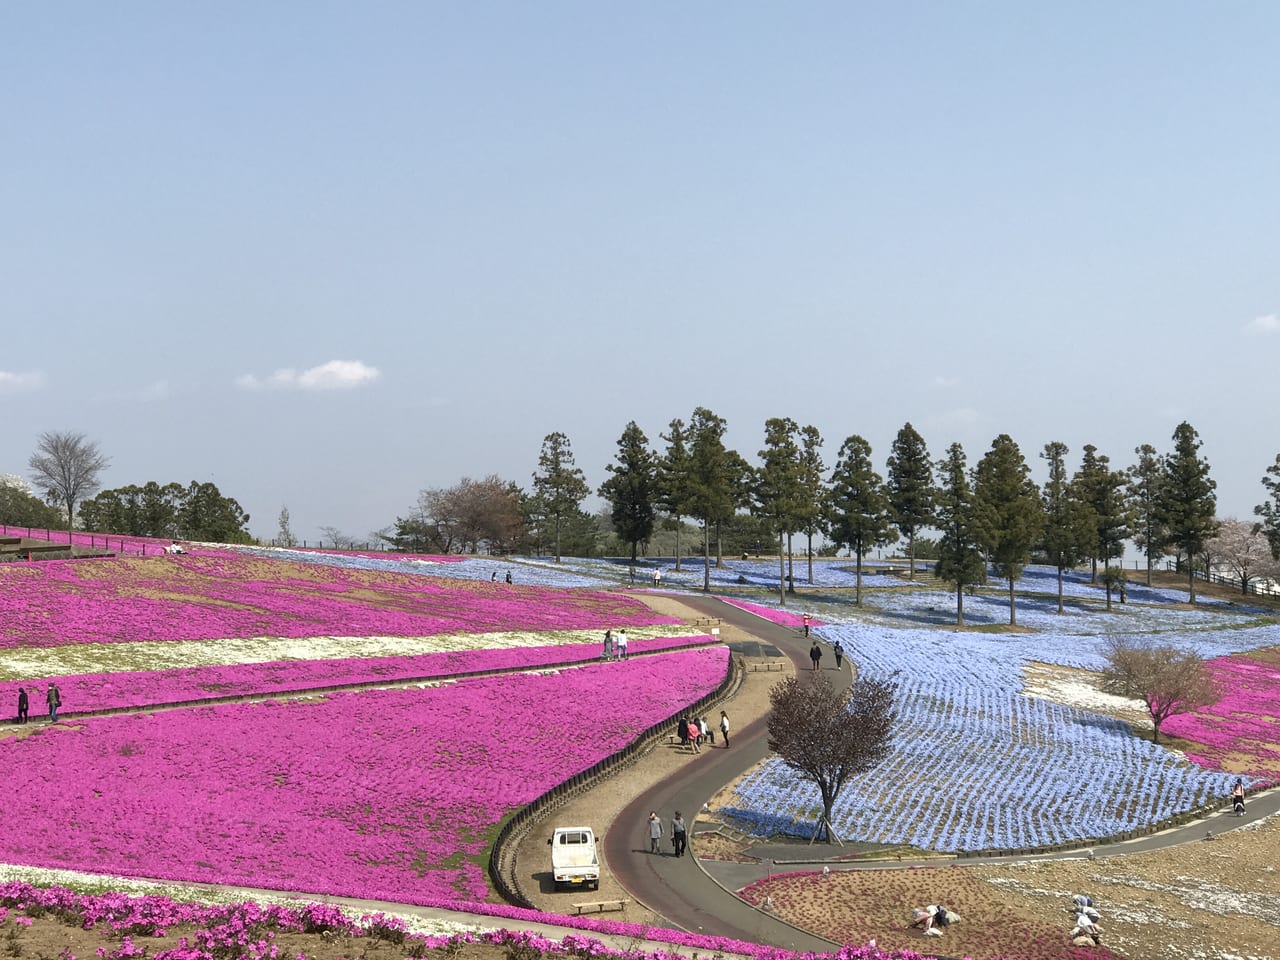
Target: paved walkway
697 895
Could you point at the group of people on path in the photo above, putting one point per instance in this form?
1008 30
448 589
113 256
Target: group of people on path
815 654
615 645
52 697
679 834
692 732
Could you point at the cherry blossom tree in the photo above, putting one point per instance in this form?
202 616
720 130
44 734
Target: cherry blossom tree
1242 547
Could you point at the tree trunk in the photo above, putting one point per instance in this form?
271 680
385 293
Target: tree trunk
1013 606
810 548
1191 572
677 543
706 556
911 555
858 592
1060 590
782 575
791 567
959 604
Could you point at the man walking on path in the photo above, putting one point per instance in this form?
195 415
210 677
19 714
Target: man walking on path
815 654
806 626
54 699
839 652
655 833
621 643
23 703
678 835
724 728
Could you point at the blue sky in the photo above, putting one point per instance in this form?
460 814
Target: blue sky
327 255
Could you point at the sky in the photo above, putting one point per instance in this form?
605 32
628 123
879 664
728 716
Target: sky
328 255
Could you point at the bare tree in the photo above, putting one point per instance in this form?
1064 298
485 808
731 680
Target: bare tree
1242 547
65 468
284 536
828 735
1166 679
337 539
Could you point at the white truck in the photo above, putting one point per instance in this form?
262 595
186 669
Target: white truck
574 860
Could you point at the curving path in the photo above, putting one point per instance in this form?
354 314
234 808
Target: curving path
696 895
679 889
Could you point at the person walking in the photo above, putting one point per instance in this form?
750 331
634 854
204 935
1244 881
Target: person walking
724 728
708 734
806 626
54 698
1237 797
679 836
815 654
839 652
657 576
682 731
23 704
508 576
621 643
608 644
655 833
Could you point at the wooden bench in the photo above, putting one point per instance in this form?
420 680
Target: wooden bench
599 905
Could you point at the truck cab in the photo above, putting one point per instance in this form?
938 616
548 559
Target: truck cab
574 859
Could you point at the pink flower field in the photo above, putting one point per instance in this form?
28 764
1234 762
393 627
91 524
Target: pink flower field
784 618
88 693
53 603
389 794
1239 733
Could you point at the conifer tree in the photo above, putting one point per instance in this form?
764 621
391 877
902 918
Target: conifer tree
858 505
560 485
910 488
1007 513
960 560
1188 503
630 488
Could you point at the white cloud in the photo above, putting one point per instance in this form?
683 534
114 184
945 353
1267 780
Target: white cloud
334 375
945 383
958 417
155 391
1262 325
11 382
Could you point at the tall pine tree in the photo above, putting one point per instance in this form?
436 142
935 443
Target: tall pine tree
560 485
858 505
630 488
1007 514
910 488
1067 531
960 560
1188 503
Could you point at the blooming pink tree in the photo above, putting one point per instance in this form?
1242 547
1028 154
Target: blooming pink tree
1166 679
1242 548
